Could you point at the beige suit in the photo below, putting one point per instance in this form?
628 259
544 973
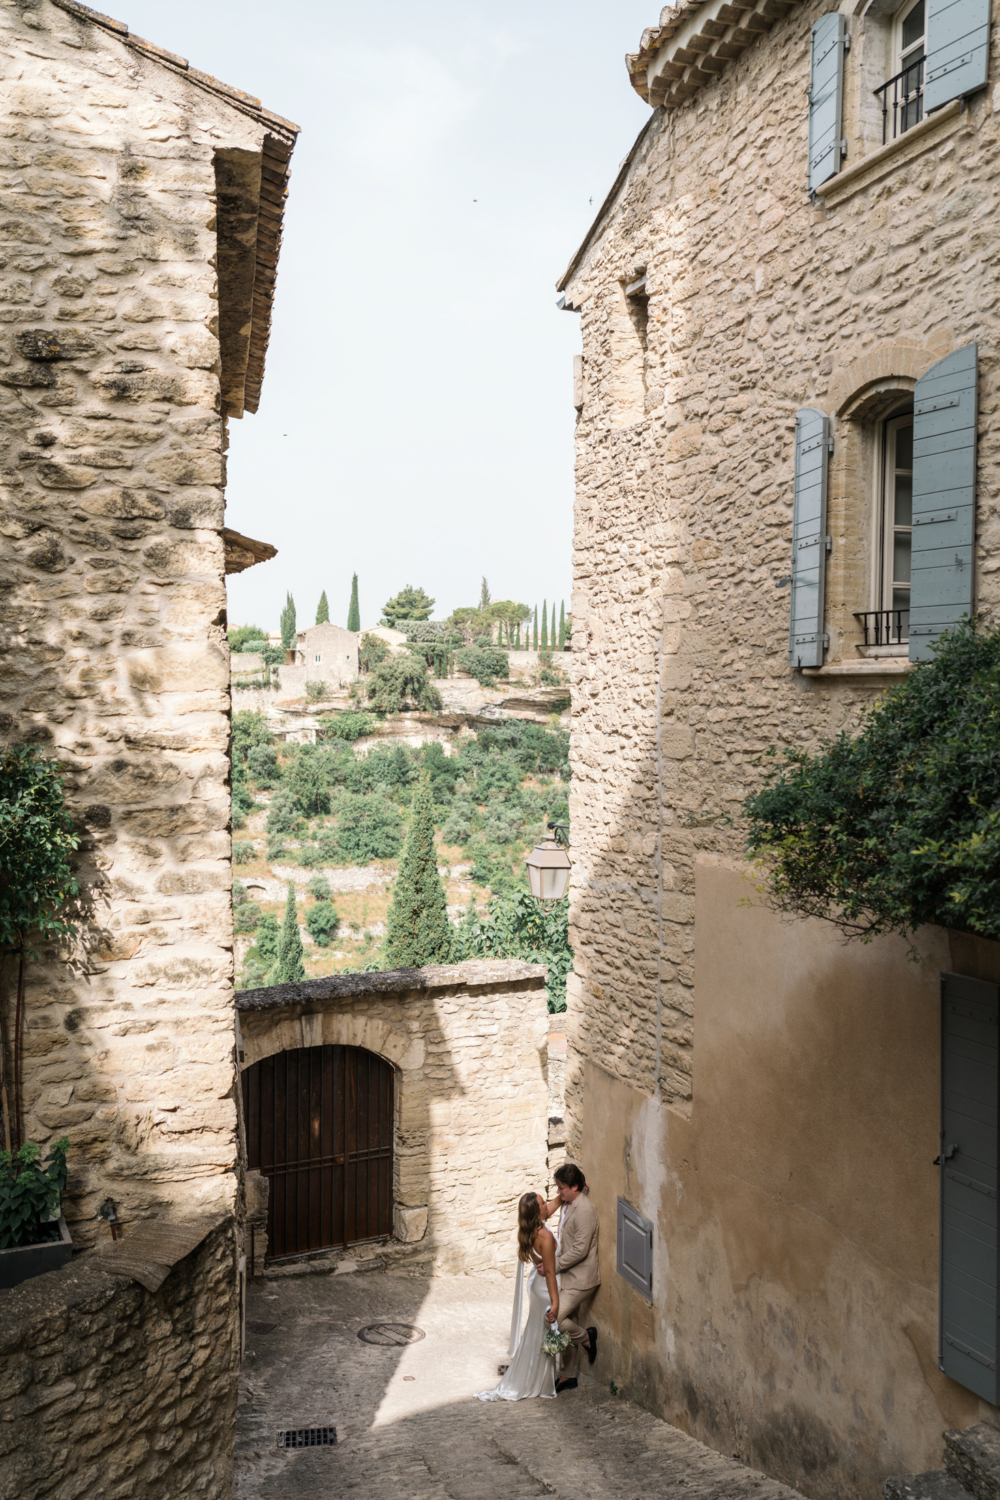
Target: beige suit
579 1272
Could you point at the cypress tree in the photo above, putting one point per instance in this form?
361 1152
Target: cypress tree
418 931
517 637
289 968
354 609
322 610
288 624
534 644
545 625
562 625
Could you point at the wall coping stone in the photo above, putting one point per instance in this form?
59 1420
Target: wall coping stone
89 1281
475 974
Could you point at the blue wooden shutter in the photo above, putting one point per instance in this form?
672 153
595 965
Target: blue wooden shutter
826 90
958 50
944 498
812 449
969 1120
635 1249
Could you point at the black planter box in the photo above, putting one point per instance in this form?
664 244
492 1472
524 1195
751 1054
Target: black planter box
25 1261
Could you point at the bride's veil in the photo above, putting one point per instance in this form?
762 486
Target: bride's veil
518 1309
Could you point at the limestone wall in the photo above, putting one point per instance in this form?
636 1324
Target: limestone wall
758 302
119 174
467 1043
107 1389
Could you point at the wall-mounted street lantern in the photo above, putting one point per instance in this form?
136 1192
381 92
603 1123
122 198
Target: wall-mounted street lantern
549 865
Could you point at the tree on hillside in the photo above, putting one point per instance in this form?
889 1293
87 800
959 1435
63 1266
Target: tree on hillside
545 625
288 624
408 604
418 931
322 610
562 625
372 652
402 682
484 596
289 968
354 608
240 634
534 642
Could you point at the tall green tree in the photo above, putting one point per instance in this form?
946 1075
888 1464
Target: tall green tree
408 604
289 968
517 637
354 608
545 624
322 610
562 625
418 931
484 595
534 642
288 624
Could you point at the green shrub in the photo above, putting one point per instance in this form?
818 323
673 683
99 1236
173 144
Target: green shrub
243 852
486 663
319 888
368 827
309 856
895 823
402 683
265 948
372 652
347 726
305 781
518 926
316 691
30 1194
322 922
240 634
246 916
284 814
262 765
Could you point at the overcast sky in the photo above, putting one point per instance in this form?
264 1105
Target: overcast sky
416 420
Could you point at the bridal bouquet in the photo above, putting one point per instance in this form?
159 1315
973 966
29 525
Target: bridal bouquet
554 1343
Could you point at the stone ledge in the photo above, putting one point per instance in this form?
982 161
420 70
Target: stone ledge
886 666
479 975
936 1485
904 148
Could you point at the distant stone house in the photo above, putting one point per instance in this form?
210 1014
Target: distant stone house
322 653
140 223
789 375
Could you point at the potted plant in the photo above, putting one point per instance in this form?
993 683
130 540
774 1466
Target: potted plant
33 1233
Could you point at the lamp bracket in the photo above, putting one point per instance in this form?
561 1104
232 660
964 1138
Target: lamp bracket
561 831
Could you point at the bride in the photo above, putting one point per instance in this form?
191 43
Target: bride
531 1373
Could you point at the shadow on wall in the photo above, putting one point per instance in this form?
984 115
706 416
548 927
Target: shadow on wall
766 1095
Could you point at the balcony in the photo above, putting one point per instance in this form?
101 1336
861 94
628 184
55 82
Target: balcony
885 627
902 97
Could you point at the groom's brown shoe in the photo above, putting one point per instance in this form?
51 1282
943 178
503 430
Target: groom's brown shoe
566 1385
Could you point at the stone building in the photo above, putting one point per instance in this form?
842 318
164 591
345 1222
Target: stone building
140 223
323 653
789 312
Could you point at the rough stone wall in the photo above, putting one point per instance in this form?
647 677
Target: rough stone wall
467 1042
109 1390
758 303
112 595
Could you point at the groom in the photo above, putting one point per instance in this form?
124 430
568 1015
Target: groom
577 1268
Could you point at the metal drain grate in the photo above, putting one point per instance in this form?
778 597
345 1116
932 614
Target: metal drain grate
391 1335
307 1437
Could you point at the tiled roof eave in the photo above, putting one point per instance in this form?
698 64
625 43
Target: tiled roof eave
696 41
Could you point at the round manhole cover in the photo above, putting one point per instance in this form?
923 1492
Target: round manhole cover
390 1335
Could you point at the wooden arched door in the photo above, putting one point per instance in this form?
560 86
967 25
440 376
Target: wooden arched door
319 1127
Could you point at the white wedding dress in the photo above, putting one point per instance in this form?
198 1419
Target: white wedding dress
530 1372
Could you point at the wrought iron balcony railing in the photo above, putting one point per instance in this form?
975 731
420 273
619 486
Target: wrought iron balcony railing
884 627
903 98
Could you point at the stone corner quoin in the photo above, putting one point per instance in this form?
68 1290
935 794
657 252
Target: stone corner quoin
136 250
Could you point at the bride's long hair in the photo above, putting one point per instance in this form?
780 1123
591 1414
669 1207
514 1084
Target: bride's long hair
529 1222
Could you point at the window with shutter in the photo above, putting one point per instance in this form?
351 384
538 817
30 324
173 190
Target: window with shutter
958 44
809 541
635 1249
826 91
944 498
968 1162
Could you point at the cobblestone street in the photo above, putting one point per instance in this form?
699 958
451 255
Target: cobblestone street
408 1425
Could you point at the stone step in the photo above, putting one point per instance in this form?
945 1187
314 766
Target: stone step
972 1456
936 1485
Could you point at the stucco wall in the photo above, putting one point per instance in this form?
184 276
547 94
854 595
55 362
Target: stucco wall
467 1042
794 1320
759 302
113 621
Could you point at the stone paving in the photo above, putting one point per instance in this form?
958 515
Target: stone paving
408 1425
